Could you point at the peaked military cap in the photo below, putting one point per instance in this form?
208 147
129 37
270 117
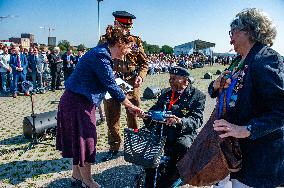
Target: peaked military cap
181 72
124 17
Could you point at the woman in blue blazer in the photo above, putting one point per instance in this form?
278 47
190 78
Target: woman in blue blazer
255 101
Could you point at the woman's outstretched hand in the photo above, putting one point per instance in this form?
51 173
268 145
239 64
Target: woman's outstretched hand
136 111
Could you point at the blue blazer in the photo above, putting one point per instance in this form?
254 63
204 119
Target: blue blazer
93 76
64 58
33 62
260 104
14 63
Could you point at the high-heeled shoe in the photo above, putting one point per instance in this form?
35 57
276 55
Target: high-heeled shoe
75 182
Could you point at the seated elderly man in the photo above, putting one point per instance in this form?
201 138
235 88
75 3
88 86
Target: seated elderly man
187 105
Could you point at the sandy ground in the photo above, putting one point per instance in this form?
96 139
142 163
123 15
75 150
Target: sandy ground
43 166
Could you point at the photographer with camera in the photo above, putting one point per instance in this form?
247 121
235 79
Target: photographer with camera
186 104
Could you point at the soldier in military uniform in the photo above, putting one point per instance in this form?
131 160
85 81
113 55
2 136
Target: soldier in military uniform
186 104
132 70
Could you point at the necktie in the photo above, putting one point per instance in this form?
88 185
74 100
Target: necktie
18 61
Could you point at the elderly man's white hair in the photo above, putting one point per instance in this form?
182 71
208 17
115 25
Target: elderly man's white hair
17 48
56 49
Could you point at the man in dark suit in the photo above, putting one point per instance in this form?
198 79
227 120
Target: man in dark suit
36 64
68 63
19 65
79 56
55 63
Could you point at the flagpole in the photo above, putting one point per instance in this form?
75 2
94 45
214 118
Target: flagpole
99 27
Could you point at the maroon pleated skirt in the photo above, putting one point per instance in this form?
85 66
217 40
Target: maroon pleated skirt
76 135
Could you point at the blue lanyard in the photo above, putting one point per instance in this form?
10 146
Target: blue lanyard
228 92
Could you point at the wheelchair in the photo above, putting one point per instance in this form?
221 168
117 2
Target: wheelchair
146 147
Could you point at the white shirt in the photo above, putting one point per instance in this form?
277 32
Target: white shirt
68 59
4 62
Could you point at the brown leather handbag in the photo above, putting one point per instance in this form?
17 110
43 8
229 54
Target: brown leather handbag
210 158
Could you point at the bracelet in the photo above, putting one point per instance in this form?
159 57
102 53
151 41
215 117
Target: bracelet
249 128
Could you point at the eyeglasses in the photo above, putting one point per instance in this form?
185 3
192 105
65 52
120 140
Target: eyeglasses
232 31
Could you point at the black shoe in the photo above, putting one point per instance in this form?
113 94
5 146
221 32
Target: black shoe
75 182
110 155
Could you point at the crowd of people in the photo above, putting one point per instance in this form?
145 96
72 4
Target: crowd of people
161 63
41 66
250 99
47 69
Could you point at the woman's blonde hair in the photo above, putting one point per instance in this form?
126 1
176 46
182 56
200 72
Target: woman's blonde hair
257 23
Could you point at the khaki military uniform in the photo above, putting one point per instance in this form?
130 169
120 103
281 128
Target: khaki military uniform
134 65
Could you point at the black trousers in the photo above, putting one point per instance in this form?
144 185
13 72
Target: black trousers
55 78
67 72
167 173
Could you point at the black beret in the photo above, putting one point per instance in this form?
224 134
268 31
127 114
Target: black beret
181 72
123 14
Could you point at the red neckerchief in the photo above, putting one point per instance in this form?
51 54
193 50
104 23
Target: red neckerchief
172 101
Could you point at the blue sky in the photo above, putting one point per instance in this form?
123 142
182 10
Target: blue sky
160 22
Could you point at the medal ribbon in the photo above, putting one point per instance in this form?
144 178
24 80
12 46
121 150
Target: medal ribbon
172 101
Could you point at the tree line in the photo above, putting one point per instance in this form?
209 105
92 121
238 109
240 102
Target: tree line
149 48
155 49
